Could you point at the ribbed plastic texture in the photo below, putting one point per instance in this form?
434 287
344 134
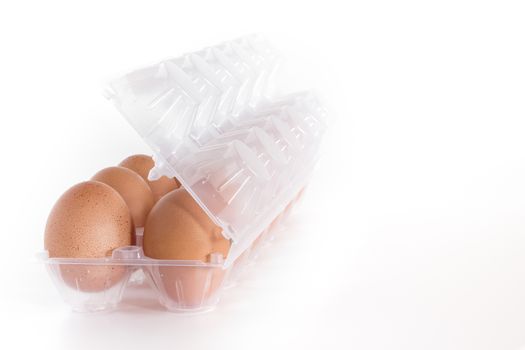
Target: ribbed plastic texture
244 153
211 123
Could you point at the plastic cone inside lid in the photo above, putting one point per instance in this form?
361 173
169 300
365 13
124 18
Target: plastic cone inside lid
209 118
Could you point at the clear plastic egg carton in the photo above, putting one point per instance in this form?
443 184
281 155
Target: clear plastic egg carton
244 153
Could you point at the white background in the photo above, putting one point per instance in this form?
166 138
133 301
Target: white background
412 235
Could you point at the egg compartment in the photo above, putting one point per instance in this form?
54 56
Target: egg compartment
98 284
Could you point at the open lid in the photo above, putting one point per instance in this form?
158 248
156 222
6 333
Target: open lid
211 123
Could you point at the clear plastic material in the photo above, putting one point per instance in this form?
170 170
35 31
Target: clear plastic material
242 152
90 285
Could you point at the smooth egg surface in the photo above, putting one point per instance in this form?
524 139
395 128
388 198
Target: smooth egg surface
178 228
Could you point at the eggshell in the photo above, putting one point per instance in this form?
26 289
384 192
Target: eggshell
88 221
188 286
133 189
142 164
178 229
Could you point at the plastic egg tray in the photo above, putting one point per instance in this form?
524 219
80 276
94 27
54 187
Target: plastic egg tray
244 153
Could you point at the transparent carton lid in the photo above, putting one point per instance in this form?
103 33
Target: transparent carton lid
212 123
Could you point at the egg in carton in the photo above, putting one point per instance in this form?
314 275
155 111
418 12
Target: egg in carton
242 156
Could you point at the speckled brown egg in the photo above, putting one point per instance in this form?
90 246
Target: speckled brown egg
142 164
178 228
89 220
133 189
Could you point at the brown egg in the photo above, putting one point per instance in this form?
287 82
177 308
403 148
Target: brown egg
142 164
132 188
177 228
187 287
89 220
